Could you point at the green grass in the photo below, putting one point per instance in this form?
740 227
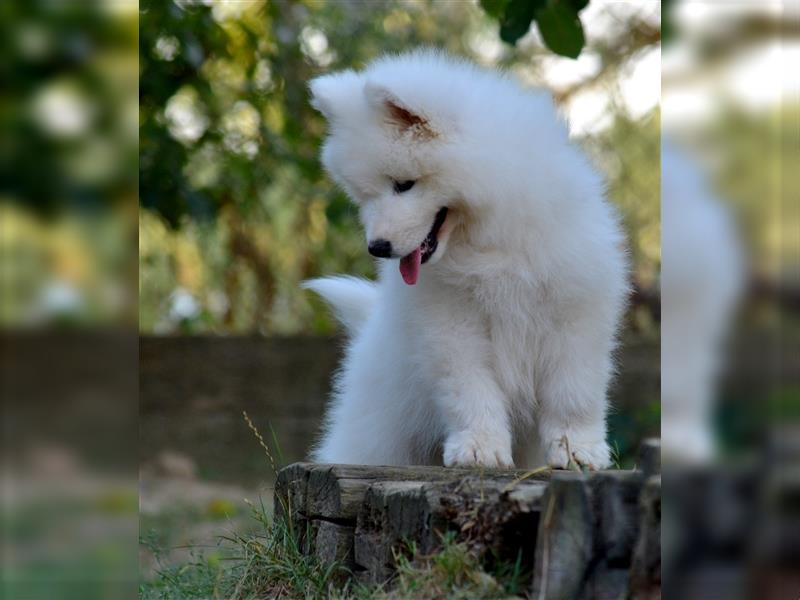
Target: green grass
263 560
453 573
264 563
268 564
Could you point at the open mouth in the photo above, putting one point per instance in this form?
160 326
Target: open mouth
410 264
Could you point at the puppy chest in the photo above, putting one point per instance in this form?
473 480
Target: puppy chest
515 355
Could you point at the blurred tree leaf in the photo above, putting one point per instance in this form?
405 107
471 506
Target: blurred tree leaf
667 21
561 28
516 19
494 8
557 20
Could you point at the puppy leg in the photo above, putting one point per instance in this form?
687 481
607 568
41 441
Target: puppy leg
377 419
474 409
572 401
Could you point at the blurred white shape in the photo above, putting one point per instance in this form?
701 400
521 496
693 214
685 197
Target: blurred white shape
604 20
685 107
753 75
240 125
58 298
314 44
186 118
701 281
262 76
589 112
756 80
62 109
705 19
561 73
183 305
222 10
486 45
641 86
167 47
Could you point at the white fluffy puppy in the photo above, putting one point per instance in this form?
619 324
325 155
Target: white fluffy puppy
492 345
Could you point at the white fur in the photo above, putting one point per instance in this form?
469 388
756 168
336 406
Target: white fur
701 281
501 354
352 298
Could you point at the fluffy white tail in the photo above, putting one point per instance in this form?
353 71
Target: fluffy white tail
351 298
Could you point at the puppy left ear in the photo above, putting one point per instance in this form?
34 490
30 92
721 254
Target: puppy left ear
333 94
397 113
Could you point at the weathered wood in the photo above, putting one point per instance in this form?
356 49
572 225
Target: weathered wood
645 580
308 492
337 491
587 532
492 514
649 461
333 543
565 541
578 533
616 506
499 519
394 512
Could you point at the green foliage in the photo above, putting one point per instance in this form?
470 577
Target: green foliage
70 89
629 153
557 20
452 573
667 21
495 8
265 564
516 19
759 177
236 210
561 28
268 564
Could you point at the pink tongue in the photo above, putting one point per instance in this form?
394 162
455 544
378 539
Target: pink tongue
409 266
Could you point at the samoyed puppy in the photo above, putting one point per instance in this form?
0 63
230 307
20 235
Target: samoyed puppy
487 339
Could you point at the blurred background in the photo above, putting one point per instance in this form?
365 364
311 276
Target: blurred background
730 352
232 211
68 265
235 209
235 212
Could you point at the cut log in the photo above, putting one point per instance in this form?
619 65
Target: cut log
581 535
589 526
645 581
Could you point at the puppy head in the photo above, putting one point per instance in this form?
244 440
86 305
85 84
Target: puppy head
385 149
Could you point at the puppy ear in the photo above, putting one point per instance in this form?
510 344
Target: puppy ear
333 94
397 113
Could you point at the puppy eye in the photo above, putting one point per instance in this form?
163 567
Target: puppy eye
403 186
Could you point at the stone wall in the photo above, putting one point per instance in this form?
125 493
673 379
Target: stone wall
193 390
583 535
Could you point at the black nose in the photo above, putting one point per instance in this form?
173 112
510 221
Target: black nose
380 248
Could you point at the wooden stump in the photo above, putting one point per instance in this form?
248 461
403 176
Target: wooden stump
583 535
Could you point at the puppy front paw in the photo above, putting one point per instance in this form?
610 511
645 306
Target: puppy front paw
467 449
572 451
